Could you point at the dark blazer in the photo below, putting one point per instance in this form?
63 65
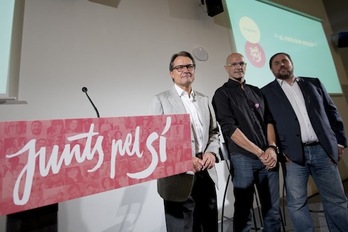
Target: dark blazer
322 112
178 187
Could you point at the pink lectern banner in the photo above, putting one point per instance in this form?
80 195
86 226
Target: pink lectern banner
49 161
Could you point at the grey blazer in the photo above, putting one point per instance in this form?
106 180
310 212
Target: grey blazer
178 187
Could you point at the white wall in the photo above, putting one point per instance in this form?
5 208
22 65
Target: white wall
121 55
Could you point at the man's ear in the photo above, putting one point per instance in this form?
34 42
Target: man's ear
171 75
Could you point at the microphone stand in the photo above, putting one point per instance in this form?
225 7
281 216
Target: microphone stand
84 89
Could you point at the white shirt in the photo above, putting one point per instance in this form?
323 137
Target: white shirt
295 96
192 108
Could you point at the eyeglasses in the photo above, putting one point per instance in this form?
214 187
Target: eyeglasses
235 64
180 68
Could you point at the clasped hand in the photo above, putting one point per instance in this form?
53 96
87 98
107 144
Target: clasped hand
269 158
207 162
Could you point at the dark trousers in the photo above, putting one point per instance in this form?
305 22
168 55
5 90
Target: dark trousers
43 219
199 212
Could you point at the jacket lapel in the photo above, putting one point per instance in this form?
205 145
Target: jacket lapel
304 87
175 100
279 93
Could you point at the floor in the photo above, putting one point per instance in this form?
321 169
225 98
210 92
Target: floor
316 212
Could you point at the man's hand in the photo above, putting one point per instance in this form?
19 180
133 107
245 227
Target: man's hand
207 162
269 158
197 164
340 152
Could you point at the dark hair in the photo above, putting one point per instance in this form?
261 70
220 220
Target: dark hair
279 53
182 53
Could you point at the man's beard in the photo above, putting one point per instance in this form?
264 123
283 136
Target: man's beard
284 76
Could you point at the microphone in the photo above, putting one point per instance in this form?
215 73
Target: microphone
84 89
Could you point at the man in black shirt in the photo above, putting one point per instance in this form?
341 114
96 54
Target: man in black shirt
247 127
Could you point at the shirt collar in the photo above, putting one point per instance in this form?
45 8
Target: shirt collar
182 92
281 82
235 83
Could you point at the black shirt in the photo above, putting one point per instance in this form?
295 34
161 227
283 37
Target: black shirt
242 108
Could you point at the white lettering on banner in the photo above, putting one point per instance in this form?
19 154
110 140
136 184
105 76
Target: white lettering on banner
162 147
129 146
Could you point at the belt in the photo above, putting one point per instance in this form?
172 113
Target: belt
310 144
199 155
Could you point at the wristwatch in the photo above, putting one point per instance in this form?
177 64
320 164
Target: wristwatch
276 149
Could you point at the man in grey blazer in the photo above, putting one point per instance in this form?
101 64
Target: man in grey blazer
311 136
190 201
